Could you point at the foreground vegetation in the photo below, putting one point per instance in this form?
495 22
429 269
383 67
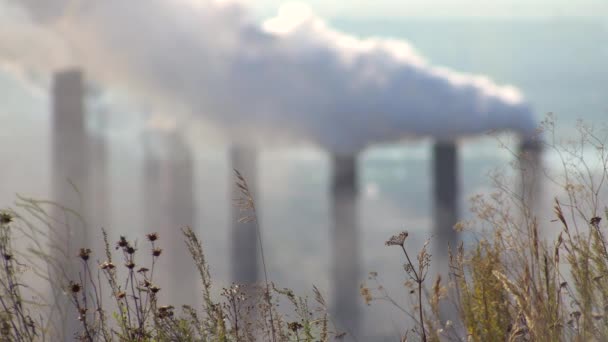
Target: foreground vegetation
524 277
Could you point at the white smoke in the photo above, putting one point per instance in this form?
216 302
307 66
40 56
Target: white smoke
292 79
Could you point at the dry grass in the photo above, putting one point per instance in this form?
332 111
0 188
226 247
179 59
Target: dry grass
517 282
116 297
523 278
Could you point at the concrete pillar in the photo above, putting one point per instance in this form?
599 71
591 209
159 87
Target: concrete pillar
244 249
345 271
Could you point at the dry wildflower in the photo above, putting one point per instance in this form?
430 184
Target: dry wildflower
294 326
5 218
154 289
130 249
75 287
595 221
157 251
459 226
397 240
142 270
84 254
82 314
152 237
165 311
366 293
107 265
122 242
121 295
130 265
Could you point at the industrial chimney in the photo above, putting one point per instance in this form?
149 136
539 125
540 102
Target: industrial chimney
345 242
244 248
445 196
530 167
156 189
170 206
182 213
70 169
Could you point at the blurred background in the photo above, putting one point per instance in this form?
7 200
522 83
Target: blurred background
319 102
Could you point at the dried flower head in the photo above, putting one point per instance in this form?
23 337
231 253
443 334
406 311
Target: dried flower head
130 249
5 218
366 293
130 265
595 221
142 270
459 226
154 289
157 251
84 254
107 265
122 242
75 287
121 295
397 240
294 326
165 311
152 236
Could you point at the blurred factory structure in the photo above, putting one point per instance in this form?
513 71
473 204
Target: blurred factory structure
168 184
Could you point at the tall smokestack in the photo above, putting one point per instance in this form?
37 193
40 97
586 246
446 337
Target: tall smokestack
244 253
156 189
182 212
170 206
530 167
345 242
70 167
445 207
445 192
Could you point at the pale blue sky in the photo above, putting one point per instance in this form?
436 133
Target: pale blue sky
370 9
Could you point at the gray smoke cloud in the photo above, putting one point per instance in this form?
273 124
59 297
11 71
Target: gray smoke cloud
291 79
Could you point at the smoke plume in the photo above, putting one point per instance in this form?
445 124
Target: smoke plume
291 79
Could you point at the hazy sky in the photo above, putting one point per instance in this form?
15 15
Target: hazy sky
361 9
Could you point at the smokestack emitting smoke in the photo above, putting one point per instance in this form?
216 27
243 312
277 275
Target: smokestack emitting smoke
244 242
445 211
345 242
295 78
70 166
292 79
445 195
